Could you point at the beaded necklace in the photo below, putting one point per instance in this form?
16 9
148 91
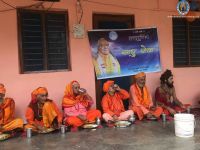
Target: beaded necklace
169 93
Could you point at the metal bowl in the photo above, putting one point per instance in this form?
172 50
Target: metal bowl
48 130
90 126
4 136
122 124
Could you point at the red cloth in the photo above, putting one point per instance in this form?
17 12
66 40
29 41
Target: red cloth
161 97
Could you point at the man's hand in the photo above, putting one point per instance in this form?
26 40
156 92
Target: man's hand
82 91
40 128
1 128
115 118
152 108
55 123
183 106
82 117
172 111
149 115
89 98
117 88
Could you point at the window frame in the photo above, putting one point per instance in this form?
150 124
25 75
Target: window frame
188 50
44 36
97 17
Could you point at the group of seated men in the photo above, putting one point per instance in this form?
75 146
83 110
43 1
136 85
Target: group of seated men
42 113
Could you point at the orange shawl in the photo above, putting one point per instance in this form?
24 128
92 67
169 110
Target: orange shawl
144 100
7 111
70 100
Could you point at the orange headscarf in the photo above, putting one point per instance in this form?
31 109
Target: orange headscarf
39 90
139 75
2 89
107 84
70 100
69 90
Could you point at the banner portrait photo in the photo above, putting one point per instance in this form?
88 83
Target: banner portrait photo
124 52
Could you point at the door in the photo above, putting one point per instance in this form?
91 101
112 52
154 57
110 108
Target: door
107 21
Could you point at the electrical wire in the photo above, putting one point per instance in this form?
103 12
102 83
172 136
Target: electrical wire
89 1
50 6
79 9
6 10
8 4
81 13
127 7
14 8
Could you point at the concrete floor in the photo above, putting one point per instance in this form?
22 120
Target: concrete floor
140 136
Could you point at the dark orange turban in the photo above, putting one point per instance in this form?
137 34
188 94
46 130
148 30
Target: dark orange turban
139 75
40 90
107 84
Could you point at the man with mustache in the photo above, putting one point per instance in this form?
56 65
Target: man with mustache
42 113
141 101
166 95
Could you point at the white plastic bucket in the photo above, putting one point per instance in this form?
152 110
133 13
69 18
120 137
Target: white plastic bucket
184 125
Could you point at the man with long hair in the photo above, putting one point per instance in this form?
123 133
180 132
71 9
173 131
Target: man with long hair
165 95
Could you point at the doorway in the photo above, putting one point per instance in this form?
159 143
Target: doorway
108 21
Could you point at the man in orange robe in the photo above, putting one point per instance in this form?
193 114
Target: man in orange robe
165 95
112 102
42 113
7 110
76 104
141 102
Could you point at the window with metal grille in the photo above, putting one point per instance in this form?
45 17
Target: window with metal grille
43 40
186 42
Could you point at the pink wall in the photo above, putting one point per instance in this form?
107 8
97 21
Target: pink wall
19 86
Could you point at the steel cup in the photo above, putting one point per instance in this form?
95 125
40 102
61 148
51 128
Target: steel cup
62 129
164 117
82 90
188 110
98 121
132 118
28 132
115 86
